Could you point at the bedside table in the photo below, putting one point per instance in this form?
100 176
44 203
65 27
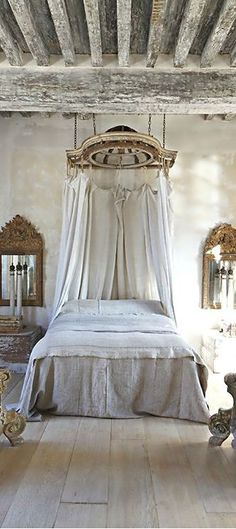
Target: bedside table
219 351
15 348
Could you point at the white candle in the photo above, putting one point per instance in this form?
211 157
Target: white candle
12 289
19 290
223 288
230 289
25 281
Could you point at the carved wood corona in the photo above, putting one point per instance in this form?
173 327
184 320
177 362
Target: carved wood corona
142 150
12 423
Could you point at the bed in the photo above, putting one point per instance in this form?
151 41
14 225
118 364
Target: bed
114 359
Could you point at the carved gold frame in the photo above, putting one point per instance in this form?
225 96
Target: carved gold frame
225 236
20 237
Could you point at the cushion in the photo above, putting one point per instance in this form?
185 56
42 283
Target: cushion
130 306
81 306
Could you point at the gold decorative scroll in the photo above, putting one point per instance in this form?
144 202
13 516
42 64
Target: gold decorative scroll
20 234
12 423
225 236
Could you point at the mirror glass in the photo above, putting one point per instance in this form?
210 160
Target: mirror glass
28 274
222 283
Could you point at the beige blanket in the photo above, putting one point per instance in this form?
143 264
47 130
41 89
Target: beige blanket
126 366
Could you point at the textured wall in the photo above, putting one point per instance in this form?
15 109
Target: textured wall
32 153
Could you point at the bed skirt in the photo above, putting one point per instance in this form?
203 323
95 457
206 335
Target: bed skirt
116 388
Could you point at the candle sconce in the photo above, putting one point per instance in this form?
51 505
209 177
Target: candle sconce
21 262
219 269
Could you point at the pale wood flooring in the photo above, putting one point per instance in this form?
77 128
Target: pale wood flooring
150 472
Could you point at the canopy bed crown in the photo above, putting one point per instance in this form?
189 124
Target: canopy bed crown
121 147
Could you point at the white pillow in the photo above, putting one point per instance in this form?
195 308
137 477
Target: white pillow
130 306
81 306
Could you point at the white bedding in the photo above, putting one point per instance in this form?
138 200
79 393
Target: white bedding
115 365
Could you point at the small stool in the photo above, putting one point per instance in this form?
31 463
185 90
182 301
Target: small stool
12 423
223 423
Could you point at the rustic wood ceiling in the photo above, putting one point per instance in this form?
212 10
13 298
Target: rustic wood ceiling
192 35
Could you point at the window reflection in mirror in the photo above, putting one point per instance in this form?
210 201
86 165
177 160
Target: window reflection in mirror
28 263
222 283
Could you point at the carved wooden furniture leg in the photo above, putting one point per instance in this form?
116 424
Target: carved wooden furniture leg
12 424
224 422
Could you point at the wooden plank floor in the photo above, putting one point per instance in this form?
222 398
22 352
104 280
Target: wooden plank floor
150 472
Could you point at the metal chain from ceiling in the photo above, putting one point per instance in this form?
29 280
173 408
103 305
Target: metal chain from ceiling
75 129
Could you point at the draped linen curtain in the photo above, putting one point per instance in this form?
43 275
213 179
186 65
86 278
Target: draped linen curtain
115 243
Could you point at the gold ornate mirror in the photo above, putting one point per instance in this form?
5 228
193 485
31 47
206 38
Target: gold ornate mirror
219 269
21 248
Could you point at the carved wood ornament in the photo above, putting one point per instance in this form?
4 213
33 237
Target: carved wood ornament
12 423
20 234
225 236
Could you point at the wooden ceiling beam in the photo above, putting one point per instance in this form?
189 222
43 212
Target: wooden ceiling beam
209 117
62 26
219 33
188 30
229 116
94 31
233 56
118 90
9 45
155 32
123 30
5 114
25 19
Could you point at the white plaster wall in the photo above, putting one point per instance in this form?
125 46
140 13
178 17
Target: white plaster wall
32 154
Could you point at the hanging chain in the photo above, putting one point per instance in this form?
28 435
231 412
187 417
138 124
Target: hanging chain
149 124
75 130
94 125
164 131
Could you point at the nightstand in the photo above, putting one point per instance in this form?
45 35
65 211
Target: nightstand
15 348
219 351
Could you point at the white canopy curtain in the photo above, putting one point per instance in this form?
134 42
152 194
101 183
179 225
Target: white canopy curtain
115 242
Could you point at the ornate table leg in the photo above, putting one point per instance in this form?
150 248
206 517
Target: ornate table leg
12 424
224 422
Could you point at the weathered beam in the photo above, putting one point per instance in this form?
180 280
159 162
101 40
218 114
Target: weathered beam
26 114
118 90
229 116
9 44
79 30
155 31
5 114
188 29
123 30
63 30
94 31
209 117
219 33
233 56
24 16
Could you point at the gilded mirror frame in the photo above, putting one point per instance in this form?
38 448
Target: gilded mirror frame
223 237
20 237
